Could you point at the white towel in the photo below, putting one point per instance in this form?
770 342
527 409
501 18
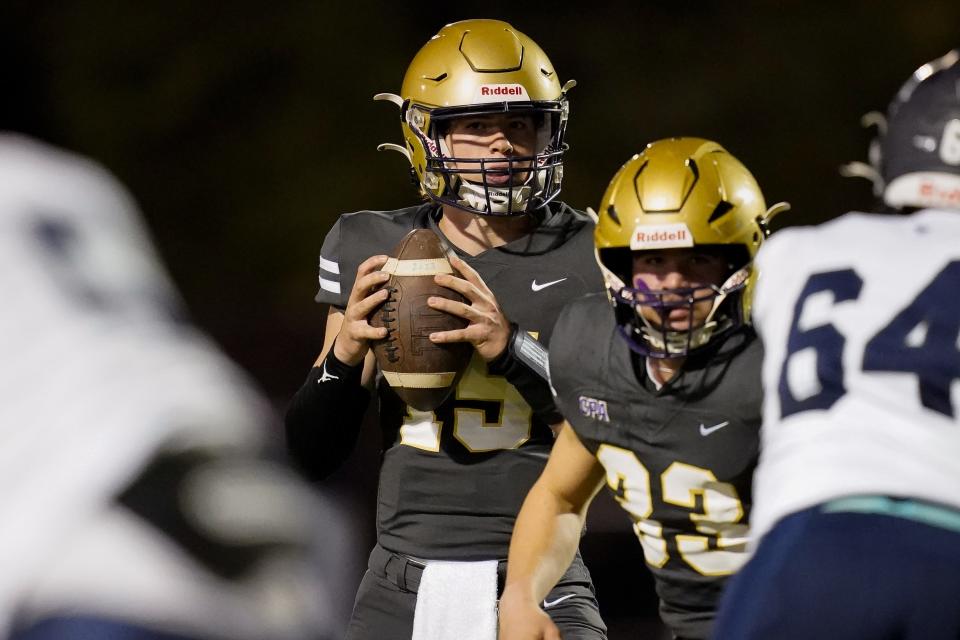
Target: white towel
457 601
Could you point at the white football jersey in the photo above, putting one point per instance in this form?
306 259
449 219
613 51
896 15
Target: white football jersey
860 320
101 380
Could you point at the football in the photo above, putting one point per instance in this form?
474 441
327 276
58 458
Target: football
420 372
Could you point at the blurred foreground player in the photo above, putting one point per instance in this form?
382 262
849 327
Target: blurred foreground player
659 381
483 116
137 503
857 495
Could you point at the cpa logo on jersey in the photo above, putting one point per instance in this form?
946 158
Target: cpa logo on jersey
593 408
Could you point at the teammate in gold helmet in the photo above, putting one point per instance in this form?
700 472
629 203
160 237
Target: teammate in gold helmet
483 116
660 390
483 68
679 194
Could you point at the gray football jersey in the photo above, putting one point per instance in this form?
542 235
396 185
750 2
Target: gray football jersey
452 480
679 459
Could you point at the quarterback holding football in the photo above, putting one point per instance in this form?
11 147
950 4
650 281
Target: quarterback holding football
483 117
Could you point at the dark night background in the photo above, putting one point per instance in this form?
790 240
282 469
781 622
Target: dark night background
243 129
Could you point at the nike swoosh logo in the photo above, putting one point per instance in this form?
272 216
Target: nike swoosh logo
538 287
705 431
550 603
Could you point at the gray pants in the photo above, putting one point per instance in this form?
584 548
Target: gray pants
387 599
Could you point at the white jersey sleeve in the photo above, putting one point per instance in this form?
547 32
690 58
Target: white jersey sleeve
101 380
860 320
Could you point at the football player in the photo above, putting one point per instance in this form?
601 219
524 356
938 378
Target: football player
857 495
483 116
138 504
659 382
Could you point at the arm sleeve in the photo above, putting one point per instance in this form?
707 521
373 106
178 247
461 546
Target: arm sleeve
323 421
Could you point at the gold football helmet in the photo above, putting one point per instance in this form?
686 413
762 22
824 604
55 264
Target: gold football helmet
680 192
471 68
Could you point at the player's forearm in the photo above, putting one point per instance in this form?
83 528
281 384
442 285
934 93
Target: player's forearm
543 545
549 525
323 420
524 364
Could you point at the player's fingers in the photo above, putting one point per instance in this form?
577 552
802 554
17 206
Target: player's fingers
370 280
373 263
365 307
469 274
465 311
456 335
363 331
467 289
369 266
363 285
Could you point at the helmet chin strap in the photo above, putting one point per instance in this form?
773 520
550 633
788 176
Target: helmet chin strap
679 343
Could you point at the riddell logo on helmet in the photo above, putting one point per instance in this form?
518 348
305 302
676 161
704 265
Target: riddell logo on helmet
502 90
661 236
501 93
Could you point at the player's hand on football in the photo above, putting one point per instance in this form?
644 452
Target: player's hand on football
489 329
521 619
355 335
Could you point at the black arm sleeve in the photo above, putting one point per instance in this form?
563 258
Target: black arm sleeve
323 419
524 364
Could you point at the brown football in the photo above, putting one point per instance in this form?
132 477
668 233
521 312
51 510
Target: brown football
420 372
